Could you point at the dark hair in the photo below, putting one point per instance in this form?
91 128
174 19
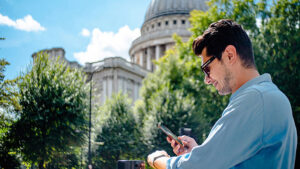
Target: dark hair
221 34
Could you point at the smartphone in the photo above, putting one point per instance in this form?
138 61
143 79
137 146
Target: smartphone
170 134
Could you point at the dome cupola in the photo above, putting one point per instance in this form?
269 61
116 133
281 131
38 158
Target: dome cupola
159 8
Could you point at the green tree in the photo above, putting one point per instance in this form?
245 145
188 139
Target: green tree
8 102
65 160
8 92
118 133
53 118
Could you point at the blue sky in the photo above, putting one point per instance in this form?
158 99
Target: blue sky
88 30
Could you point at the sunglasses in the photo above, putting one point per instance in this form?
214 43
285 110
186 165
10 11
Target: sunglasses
205 69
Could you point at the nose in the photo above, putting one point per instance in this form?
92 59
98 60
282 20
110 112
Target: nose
207 80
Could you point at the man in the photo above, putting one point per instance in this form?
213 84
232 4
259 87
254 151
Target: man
256 130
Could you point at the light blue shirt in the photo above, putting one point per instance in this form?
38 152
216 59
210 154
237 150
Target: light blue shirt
256 131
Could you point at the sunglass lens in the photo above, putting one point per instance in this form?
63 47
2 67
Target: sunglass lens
206 71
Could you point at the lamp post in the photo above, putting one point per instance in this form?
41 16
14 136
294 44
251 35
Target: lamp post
90 124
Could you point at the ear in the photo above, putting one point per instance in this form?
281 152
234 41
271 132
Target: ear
231 54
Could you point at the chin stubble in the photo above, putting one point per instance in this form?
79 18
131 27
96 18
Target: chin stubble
226 88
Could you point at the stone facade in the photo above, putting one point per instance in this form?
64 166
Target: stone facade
157 38
111 75
163 19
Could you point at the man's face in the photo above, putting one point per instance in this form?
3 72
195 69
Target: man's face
219 74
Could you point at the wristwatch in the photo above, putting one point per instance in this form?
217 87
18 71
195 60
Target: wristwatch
157 157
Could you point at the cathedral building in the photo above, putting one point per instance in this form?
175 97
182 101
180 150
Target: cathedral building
163 18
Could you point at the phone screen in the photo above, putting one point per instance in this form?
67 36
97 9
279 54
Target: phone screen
170 134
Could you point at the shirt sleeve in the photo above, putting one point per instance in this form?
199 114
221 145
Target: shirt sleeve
235 137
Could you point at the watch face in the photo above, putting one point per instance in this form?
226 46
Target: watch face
170 134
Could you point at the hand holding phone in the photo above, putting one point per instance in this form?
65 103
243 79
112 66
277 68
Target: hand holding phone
170 134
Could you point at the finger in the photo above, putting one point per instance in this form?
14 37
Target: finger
181 137
184 137
187 139
177 149
184 142
173 143
169 139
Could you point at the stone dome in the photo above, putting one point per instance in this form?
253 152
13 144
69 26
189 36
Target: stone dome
159 8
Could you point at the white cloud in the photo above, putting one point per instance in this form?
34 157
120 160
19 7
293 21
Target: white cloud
108 44
85 32
26 24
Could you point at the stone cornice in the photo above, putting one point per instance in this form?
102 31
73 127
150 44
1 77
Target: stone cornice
115 62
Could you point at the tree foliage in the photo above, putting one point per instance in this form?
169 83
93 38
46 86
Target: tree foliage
8 91
53 118
118 133
8 102
65 160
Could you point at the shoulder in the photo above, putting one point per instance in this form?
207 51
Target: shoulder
265 92
275 106
255 98
271 96
247 100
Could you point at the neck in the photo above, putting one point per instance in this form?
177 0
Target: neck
243 76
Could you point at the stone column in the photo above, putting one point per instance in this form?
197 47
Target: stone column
115 81
109 85
148 58
142 58
125 85
135 57
104 91
120 84
136 91
157 54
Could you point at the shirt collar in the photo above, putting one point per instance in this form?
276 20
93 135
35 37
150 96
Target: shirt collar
262 78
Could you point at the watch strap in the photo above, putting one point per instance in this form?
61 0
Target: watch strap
157 157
